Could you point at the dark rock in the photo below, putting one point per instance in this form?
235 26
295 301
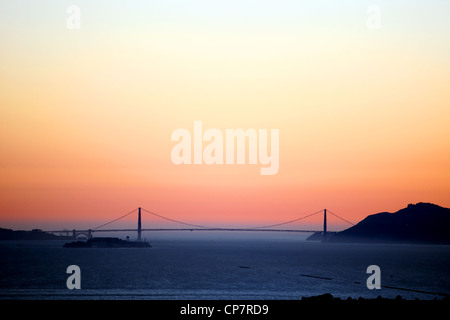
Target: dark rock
419 223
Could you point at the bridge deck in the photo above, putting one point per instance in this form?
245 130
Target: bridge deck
184 229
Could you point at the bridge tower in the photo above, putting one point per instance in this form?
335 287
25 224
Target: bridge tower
324 225
139 225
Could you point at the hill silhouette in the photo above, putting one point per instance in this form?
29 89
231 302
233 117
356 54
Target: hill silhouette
417 223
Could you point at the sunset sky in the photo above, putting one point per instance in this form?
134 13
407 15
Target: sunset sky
86 115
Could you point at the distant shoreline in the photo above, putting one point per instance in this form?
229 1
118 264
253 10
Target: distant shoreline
35 234
420 223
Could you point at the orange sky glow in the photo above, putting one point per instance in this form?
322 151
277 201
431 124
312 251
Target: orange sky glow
86 116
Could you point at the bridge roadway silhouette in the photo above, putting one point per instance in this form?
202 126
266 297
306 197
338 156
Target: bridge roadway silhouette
193 227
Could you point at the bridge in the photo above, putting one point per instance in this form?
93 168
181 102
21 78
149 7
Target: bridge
311 223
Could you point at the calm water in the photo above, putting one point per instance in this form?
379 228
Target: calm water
202 265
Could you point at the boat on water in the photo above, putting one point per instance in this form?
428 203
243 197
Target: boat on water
106 242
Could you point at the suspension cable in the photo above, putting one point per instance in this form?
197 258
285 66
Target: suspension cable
341 218
114 220
280 224
173 220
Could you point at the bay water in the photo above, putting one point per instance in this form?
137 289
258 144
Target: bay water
223 265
